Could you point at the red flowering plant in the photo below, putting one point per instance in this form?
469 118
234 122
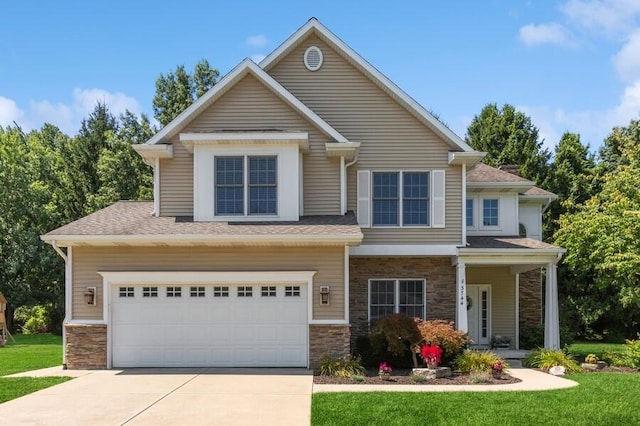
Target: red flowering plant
384 368
431 354
497 367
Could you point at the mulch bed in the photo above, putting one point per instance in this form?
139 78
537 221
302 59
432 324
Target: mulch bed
612 369
403 377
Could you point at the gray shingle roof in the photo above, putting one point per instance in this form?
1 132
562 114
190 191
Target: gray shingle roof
127 218
507 243
483 173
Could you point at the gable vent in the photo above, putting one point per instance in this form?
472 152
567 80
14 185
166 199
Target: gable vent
313 58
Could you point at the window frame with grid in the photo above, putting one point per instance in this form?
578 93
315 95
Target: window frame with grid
397 299
197 291
268 291
490 213
244 291
221 291
174 291
126 292
408 204
150 291
253 180
469 210
292 291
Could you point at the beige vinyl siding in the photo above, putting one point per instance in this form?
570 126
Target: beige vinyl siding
391 138
176 182
327 261
503 293
249 105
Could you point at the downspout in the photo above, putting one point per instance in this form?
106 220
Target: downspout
343 177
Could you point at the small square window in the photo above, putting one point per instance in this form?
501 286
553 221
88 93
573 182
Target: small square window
149 291
221 292
126 292
196 291
292 291
268 292
174 291
245 291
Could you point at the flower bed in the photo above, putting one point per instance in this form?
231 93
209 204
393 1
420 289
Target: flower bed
403 377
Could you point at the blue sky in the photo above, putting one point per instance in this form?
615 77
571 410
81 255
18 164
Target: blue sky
572 65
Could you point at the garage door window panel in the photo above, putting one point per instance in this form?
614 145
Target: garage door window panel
174 291
197 292
292 291
268 291
149 291
220 291
126 292
246 291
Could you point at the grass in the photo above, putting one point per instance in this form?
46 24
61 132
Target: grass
582 349
29 352
601 398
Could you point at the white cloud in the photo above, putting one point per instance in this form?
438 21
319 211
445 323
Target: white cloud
609 16
257 58
66 116
257 41
9 112
552 33
627 60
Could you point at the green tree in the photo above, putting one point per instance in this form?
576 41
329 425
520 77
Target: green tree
509 137
603 254
611 152
175 91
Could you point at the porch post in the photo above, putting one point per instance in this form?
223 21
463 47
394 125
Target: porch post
551 316
461 298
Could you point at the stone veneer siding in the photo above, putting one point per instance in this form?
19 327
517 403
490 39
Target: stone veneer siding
531 298
328 339
440 276
86 347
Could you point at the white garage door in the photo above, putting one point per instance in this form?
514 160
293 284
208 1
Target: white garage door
238 325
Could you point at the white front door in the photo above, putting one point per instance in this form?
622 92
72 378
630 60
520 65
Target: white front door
479 313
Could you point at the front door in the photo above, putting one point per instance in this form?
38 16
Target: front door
479 313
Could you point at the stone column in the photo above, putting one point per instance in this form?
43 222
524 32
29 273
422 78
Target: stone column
461 298
551 316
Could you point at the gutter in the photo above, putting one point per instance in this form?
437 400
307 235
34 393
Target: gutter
58 249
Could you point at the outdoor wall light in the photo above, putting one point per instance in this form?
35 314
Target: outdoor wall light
90 296
324 294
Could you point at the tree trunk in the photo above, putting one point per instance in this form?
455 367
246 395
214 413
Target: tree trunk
8 314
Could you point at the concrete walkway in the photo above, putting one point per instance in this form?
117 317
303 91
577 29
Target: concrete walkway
532 380
193 396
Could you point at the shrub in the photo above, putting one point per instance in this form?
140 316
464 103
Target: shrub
34 319
479 377
339 367
629 357
591 359
547 358
438 332
357 378
400 333
417 378
478 361
372 350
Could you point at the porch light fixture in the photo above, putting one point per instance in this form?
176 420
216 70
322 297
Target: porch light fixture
90 296
324 294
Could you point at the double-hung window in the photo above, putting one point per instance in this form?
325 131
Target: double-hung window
246 185
400 198
392 296
490 212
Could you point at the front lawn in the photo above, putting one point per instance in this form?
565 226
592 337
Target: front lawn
582 349
29 352
601 398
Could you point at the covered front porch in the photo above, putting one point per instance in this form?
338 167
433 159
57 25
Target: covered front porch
498 284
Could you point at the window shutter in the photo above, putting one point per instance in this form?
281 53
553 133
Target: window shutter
364 198
437 199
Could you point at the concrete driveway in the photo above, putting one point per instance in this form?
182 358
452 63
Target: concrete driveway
196 396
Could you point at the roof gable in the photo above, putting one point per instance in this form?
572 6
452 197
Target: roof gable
224 85
313 26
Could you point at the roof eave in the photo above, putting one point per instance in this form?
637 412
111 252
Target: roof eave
468 158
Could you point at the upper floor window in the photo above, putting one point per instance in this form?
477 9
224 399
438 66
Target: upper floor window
490 212
469 208
246 185
400 198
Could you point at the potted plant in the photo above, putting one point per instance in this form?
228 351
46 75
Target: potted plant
384 371
432 355
496 369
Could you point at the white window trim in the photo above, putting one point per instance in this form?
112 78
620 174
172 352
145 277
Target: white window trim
401 199
396 294
481 224
246 186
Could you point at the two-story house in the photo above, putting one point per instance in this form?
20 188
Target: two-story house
294 203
